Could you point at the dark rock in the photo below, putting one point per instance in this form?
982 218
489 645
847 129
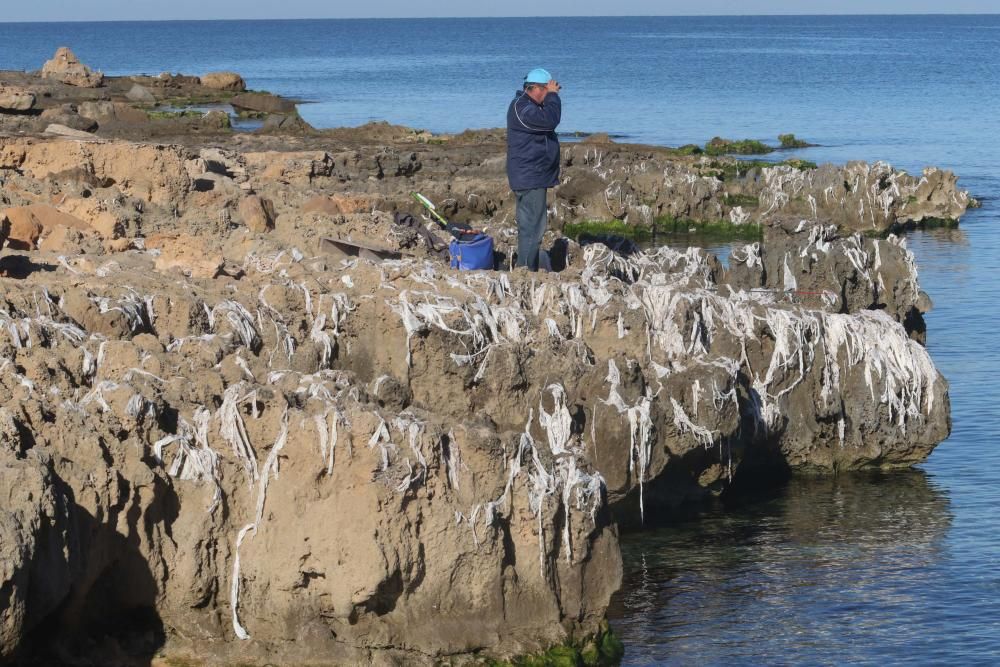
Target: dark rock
67 116
286 124
262 103
168 80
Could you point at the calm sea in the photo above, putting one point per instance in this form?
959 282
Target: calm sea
901 568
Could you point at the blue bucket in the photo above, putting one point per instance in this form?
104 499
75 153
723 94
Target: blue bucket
473 253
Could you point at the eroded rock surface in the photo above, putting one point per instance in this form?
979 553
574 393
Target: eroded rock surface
68 69
260 453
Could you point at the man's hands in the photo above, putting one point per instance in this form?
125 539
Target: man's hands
553 86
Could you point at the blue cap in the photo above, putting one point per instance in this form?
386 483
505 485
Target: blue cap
538 75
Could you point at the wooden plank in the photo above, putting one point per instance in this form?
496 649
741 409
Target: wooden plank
342 248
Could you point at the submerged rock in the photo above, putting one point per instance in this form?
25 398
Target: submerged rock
262 103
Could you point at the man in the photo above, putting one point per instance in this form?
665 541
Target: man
533 158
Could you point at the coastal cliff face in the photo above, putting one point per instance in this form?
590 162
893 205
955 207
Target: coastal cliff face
220 443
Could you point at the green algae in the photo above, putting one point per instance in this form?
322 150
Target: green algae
734 169
162 114
719 146
707 230
747 201
602 649
575 230
666 227
926 223
687 149
791 141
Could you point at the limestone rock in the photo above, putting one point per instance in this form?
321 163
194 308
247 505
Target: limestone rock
35 543
294 168
230 81
15 99
186 254
66 67
834 270
170 80
67 116
141 95
154 173
30 223
257 213
286 124
262 103
95 215
104 112
341 204
58 130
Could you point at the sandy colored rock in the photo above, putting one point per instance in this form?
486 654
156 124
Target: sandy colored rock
185 254
341 204
15 99
64 240
66 67
321 204
154 173
293 168
95 214
228 81
29 223
484 429
58 130
107 112
257 213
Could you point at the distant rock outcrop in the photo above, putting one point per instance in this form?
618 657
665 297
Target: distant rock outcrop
262 103
229 81
66 67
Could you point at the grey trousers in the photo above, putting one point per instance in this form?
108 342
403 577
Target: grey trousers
531 219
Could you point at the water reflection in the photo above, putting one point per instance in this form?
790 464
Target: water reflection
799 577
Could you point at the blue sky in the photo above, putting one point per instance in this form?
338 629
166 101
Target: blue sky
97 10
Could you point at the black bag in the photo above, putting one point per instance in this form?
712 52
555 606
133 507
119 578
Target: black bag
434 244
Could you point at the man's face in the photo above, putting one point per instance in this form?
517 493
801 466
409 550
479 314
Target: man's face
537 92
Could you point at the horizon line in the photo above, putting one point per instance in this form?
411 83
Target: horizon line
472 18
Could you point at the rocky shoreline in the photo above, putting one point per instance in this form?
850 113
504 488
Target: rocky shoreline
208 457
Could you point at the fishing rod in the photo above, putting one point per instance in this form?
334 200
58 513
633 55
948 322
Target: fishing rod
431 208
456 230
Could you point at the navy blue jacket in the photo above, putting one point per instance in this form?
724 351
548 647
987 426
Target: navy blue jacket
532 144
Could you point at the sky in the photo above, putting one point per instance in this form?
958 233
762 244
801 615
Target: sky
109 10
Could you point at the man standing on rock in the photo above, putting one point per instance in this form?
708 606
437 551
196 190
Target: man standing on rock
533 158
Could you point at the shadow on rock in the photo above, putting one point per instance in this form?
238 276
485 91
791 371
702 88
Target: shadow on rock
21 266
108 617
